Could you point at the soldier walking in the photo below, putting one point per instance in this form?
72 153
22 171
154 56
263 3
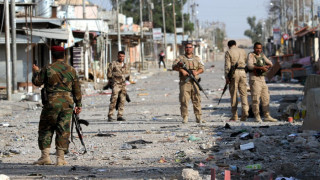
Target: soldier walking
116 78
61 92
239 80
259 64
189 89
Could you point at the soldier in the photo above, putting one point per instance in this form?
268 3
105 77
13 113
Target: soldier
62 91
189 89
116 71
259 64
239 80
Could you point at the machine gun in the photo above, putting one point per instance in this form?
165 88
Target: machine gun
229 76
76 122
191 77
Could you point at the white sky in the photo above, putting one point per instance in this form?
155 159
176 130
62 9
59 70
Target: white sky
233 13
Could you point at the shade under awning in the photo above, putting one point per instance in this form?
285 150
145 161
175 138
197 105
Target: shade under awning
61 34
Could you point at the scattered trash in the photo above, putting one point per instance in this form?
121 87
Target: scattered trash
15 151
247 146
143 94
4 124
190 174
105 135
4 177
227 126
245 136
193 138
101 170
141 141
254 166
286 178
125 146
162 160
35 174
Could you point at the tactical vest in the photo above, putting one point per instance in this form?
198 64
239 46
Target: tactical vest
260 61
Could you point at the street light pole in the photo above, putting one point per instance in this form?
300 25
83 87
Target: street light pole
141 31
164 30
8 53
182 20
175 29
118 27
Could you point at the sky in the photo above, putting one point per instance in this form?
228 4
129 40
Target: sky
233 13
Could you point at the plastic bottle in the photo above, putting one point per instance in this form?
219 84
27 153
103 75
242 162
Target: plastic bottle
254 166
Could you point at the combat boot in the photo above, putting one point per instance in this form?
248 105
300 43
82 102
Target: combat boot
244 116
45 158
234 117
185 119
121 119
110 118
268 118
258 118
60 158
199 119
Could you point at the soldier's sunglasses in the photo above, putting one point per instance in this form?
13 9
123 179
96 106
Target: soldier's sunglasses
188 46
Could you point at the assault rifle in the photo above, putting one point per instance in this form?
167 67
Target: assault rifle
118 100
191 77
76 122
229 76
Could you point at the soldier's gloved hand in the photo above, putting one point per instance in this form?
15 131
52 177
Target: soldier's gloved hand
227 81
77 110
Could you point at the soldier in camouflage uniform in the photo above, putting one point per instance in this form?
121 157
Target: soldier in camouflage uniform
259 64
189 89
116 78
63 91
238 82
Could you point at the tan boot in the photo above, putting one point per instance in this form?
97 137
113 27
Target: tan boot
244 116
60 158
185 119
199 119
258 118
234 117
45 158
268 118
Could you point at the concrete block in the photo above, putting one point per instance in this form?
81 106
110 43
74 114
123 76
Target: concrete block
313 81
312 120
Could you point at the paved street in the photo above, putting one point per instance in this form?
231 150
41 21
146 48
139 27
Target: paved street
154 116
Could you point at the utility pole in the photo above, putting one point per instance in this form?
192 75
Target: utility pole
298 13
118 27
182 20
8 54
292 27
175 30
303 12
84 9
141 31
312 13
164 31
14 45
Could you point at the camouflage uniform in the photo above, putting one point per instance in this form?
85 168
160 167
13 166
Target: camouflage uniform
238 81
259 88
116 72
63 88
189 89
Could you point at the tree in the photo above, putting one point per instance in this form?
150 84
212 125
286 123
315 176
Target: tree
255 31
220 35
130 8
